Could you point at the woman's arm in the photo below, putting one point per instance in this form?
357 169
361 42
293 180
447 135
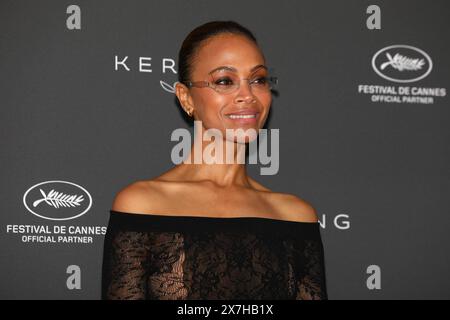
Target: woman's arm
311 282
125 264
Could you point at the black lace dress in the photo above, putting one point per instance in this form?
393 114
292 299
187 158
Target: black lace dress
187 257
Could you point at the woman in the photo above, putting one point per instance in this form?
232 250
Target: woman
209 231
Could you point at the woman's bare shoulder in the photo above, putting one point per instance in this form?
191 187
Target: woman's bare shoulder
293 207
140 197
287 205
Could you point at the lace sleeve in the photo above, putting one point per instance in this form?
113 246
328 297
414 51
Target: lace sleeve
125 264
311 280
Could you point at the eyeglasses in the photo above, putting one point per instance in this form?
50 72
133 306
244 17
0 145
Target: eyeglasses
229 84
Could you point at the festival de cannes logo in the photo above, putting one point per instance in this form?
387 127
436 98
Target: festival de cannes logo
57 200
402 63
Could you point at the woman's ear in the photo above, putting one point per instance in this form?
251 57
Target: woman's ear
185 98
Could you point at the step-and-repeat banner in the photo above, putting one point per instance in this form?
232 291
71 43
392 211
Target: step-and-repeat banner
362 109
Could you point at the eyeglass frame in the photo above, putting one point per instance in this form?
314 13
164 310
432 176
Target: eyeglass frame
209 84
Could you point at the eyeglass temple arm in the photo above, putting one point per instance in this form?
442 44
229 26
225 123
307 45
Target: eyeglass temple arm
197 83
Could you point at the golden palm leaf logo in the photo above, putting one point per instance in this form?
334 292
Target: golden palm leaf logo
401 62
58 199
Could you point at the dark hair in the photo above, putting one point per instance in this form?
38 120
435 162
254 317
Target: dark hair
198 36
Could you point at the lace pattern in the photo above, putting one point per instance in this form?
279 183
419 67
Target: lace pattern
176 258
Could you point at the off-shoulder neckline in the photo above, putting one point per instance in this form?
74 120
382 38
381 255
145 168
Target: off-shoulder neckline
209 218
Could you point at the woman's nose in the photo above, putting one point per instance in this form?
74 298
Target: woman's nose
245 92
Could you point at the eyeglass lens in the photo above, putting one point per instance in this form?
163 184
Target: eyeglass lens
224 81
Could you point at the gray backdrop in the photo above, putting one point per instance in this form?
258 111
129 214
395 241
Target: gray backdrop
376 171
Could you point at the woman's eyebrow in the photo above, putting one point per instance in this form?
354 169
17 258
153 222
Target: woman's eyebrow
235 70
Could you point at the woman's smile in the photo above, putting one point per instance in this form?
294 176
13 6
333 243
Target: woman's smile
249 115
243 118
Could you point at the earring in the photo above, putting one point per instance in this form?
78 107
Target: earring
189 113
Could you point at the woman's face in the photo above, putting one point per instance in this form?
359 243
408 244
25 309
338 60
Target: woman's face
242 59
